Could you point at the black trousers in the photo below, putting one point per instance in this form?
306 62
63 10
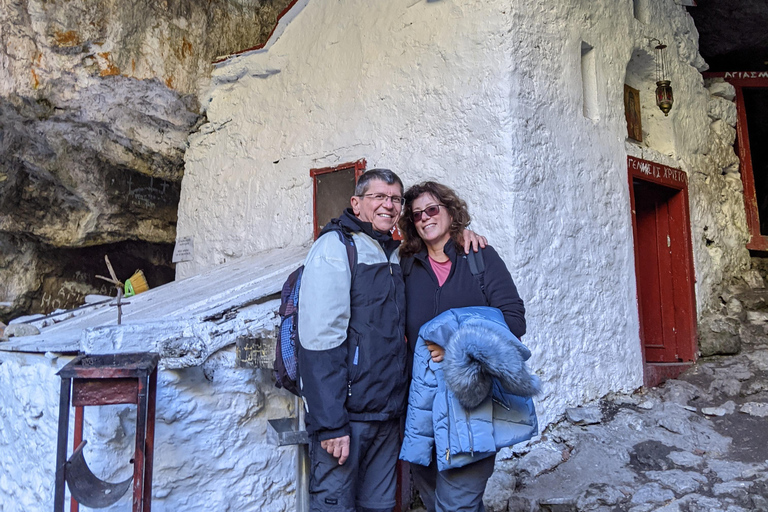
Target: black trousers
366 481
453 490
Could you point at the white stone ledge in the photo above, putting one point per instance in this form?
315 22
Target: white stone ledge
185 321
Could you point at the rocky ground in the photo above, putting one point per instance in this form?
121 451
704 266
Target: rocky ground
698 443
695 444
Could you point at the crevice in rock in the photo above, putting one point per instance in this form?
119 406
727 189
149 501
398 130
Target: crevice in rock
60 278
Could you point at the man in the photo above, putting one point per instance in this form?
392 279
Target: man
352 360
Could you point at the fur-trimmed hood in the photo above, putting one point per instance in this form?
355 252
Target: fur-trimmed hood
479 350
444 416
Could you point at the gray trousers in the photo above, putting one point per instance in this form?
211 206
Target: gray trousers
453 490
366 482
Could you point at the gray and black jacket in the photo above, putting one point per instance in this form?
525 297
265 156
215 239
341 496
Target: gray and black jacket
352 359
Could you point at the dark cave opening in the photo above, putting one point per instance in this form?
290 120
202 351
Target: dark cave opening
70 274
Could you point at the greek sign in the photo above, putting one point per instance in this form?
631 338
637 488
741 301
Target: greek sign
745 74
184 250
659 173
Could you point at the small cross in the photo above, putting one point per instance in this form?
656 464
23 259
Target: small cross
119 287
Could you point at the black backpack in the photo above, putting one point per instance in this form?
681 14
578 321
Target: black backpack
286 357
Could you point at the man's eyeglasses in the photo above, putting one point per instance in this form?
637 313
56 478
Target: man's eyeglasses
431 211
380 198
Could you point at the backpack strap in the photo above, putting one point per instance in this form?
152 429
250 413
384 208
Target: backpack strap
406 264
477 268
349 244
345 235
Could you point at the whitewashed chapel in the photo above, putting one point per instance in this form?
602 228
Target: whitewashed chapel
618 223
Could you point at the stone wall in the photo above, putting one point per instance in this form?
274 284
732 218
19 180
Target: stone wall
211 449
720 225
487 97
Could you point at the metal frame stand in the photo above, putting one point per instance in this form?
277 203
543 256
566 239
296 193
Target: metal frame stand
289 432
104 380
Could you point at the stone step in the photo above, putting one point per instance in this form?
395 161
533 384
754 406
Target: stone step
752 300
754 334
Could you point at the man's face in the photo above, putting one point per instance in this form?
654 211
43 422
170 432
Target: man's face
381 213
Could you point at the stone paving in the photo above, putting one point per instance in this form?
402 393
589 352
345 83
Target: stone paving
696 444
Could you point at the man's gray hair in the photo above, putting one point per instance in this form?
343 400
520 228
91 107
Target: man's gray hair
385 175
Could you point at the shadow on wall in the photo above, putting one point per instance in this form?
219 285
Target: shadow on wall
657 130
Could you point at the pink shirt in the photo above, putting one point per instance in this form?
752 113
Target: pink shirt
441 269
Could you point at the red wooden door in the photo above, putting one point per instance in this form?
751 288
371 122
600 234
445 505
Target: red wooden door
664 268
654 267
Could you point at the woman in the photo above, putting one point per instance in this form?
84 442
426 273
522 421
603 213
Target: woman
451 460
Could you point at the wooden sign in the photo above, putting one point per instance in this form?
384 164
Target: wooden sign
745 75
657 173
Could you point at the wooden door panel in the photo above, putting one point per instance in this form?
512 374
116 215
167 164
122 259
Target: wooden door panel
649 290
656 277
666 352
663 267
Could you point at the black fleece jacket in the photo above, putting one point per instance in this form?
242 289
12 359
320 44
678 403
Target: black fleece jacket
363 376
425 299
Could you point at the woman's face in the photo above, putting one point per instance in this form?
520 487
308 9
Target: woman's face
433 229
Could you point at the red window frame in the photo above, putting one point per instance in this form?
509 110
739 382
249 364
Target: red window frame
741 80
358 166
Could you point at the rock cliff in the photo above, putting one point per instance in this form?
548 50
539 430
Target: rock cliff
97 99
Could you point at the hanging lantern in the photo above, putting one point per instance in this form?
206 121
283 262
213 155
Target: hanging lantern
664 98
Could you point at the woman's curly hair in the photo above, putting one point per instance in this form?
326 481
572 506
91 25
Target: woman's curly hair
456 207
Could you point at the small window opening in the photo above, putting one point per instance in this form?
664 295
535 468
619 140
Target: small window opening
333 187
589 81
640 8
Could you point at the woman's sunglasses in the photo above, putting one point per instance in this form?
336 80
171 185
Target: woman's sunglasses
431 211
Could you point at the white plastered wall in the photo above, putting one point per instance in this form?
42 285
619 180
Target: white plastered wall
211 450
485 96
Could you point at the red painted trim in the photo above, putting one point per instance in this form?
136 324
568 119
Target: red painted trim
740 80
747 175
77 439
657 173
259 47
683 270
688 350
359 167
757 241
636 248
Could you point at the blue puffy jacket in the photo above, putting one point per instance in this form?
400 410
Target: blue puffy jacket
477 400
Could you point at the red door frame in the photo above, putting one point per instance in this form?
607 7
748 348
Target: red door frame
741 80
359 167
682 268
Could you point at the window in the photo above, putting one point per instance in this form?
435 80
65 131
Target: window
332 188
640 10
589 81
